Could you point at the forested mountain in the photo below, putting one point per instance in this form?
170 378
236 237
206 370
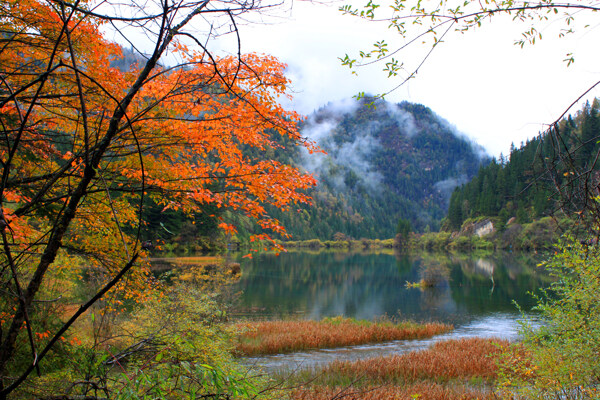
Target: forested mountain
383 162
525 184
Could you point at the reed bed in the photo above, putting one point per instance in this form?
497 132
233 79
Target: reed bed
461 359
472 358
273 337
421 391
454 369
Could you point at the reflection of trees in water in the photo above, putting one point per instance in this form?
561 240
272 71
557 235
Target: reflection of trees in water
480 282
323 284
434 274
403 263
484 267
438 300
369 285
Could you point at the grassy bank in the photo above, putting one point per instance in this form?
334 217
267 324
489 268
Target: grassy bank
454 369
541 234
421 390
272 337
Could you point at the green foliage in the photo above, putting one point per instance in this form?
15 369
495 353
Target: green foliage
434 241
187 321
185 380
524 186
561 352
539 234
185 349
404 229
175 345
347 244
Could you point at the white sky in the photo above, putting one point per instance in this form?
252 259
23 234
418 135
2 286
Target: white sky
490 89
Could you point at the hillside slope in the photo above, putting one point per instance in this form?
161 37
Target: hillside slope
383 163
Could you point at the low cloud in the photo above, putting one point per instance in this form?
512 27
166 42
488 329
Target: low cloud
404 119
353 156
447 186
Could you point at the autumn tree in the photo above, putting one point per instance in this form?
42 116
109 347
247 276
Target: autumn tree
84 143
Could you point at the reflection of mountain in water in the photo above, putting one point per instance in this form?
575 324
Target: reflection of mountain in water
368 286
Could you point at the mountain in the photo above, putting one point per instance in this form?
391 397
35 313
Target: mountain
384 162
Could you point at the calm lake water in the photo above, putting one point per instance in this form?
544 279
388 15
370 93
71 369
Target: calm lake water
371 285
476 294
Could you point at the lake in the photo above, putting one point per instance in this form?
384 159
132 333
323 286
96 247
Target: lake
373 285
475 293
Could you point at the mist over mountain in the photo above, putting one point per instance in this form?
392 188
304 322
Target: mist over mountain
384 162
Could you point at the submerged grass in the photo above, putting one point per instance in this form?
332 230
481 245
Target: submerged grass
272 337
453 369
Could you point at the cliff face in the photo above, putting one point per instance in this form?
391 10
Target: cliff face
480 228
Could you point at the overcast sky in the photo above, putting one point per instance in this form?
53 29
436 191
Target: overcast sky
490 89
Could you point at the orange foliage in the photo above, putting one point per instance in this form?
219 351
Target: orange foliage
180 141
84 142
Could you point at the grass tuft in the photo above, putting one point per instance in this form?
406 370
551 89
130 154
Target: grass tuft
449 370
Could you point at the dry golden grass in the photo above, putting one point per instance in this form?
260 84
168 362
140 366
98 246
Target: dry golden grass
454 369
472 358
272 337
421 391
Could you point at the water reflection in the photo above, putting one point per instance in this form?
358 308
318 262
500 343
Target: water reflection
368 286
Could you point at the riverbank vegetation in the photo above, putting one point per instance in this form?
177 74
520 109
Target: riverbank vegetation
538 235
453 369
342 244
271 337
561 359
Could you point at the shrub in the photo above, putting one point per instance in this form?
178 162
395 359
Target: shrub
562 353
540 234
